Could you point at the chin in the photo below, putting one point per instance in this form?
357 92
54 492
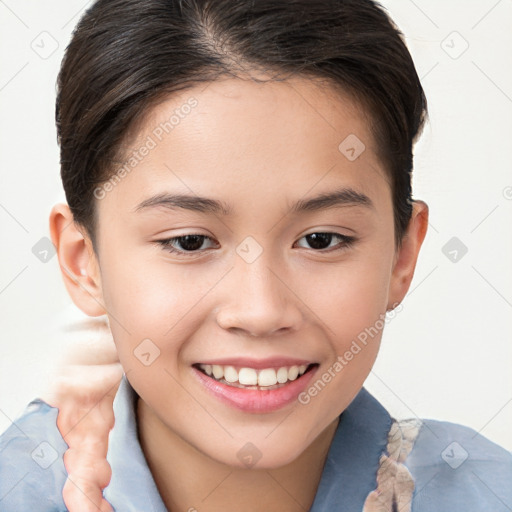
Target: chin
254 456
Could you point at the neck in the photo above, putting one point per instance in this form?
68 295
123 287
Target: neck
187 479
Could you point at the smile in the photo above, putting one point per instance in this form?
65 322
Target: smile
252 378
255 386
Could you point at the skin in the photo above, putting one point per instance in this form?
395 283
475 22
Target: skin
259 148
83 387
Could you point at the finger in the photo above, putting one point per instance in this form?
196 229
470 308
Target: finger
83 496
88 474
88 465
88 405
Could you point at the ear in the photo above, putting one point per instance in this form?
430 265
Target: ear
407 255
78 263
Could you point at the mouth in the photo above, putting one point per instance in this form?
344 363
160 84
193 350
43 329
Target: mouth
255 387
265 379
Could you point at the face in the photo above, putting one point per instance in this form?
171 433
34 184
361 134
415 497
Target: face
259 288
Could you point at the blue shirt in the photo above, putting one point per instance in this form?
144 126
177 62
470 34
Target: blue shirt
418 466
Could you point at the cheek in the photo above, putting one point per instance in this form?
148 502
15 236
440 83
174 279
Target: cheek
155 300
349 296
351 304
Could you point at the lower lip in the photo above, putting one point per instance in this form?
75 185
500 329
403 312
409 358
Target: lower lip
254 400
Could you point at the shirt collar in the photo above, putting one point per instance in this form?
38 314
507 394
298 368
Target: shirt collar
350 471
348 477
131 487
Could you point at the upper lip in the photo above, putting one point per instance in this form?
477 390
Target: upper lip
258 364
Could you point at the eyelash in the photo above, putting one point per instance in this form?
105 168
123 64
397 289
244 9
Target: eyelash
166 244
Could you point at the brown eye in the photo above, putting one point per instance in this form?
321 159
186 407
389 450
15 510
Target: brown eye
186 243
322 241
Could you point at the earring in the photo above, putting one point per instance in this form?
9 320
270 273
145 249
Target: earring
83 272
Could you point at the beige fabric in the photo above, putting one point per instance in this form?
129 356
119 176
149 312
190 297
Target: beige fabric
395 484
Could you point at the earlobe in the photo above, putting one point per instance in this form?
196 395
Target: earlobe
78 263
407 255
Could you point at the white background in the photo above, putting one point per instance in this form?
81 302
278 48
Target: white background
448 354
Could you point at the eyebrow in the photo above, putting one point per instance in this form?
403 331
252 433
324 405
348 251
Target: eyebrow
339 198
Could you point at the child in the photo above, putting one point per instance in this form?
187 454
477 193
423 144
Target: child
280 136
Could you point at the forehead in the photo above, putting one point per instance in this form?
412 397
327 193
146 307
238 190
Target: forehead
253 140
249 112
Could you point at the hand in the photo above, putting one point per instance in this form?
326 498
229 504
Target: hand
83 387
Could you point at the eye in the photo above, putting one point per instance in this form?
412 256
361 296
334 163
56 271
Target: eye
193 243
321 240
189 243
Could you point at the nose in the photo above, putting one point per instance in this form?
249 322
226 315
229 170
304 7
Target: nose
259 301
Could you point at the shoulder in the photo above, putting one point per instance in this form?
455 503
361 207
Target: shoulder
456 468
32 471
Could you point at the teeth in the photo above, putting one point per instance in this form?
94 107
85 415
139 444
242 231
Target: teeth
218 371
267 377
293 372
251 377
230 374
248 377
282 375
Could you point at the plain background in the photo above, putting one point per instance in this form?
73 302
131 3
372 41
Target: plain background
448 354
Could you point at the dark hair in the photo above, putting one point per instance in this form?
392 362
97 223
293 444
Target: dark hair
125 55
